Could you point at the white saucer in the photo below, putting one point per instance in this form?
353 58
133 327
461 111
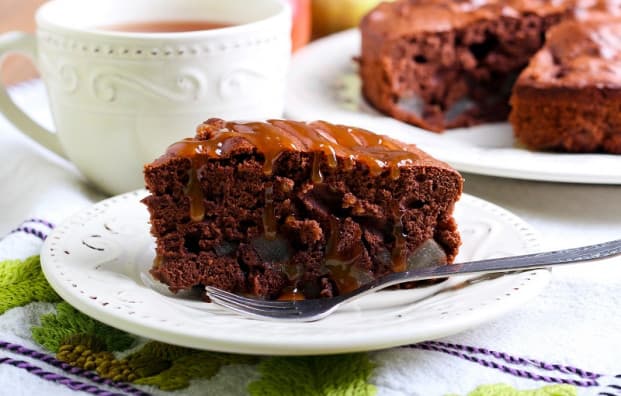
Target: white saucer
98 261
324 84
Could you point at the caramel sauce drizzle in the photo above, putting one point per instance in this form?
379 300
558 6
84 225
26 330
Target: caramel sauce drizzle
274 137
158 261
267 138
376 151
195 193
270 224
291 293
316 175
341 268
312 138
191 149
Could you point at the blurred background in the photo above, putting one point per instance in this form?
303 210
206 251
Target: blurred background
312 19
17 15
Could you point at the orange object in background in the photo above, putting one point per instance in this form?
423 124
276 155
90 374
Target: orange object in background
17 15
301 29
331 16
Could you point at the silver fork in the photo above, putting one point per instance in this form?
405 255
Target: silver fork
315 309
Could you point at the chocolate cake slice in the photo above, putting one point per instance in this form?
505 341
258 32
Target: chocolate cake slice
291 210
569 97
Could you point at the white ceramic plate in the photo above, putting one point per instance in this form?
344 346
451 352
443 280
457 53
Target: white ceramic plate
98 261
323 84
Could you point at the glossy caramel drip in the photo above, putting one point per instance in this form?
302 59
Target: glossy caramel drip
376 151
270 226
341 268
274 137
316 175
158 261
395 172
399 250
267 138
194 192
291 294
312 138
347 277
190 149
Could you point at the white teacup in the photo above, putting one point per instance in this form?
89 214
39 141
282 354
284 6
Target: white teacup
118 98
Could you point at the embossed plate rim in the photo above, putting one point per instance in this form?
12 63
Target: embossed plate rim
205 326
311 95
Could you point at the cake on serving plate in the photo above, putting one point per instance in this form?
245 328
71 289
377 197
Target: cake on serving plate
569 97
291 210
441 64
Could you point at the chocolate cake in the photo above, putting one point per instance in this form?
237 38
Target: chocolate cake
569 97
291 210
441 64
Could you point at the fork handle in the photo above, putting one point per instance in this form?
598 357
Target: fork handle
504 264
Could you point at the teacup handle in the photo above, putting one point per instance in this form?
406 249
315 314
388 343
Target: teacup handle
24 43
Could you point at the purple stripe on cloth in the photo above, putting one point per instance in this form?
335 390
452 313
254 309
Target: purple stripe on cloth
506 369
607 394
517 360
52 361
31 231
57 378
40 221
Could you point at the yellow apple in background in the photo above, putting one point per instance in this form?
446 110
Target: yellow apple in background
331 16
